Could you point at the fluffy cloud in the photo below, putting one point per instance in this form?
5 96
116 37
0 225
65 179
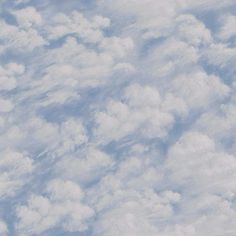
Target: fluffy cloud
223 119
9 74
76 23
207 169
5 105
14 38
169 58
134 213
142 111
227 29
75 66
117 118
28 17
86 166
222 58
193 31
199 89
15 169
63 208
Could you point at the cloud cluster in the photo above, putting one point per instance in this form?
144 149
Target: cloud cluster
117 118
63 206
142 111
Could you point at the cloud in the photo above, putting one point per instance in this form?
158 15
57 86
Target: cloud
9 74
14 38
135 213
222 57
193 31
3 228
15 168
62 207
208 169
199 89
228 25
76 23
6 105
85 167
117 118
27 17
142 111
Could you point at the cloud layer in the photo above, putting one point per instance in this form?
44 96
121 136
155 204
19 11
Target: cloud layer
117 118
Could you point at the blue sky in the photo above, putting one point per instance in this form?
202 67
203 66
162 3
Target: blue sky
117 118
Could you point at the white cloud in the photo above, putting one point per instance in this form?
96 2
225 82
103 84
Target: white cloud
72 134
142 111
62 208
117 47
143 13
199 89
9 74
203 167
227 29
74 67
121 122
27 17
222 56
134 213
35 134
15 168
22 40
192 31
220 125
168 58
87 30
84 167
5 105
3 228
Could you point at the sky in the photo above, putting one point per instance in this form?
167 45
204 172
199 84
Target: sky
117 118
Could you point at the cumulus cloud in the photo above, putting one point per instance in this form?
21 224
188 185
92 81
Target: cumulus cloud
89 31
62 207
79 166
15 169
117 118
199 89
142 111
14 38
208 167
9 74
227 29
28 17
135 216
